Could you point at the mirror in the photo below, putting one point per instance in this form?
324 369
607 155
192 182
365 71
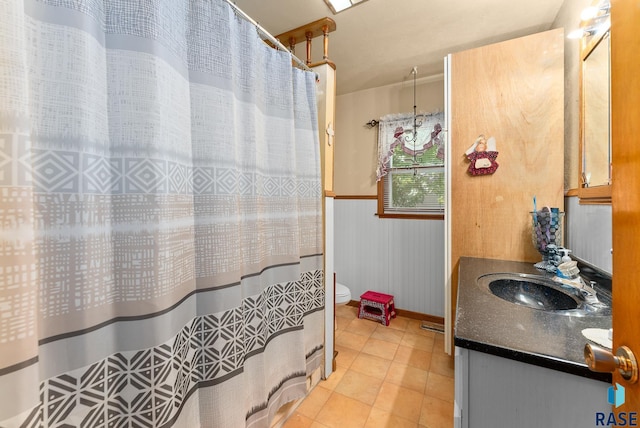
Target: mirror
596 142
595 147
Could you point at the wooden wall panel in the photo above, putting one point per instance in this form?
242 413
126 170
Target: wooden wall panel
514 92
326 98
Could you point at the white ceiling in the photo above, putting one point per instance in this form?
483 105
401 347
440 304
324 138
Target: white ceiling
378 42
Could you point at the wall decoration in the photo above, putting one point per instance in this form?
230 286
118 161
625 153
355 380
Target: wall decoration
482 156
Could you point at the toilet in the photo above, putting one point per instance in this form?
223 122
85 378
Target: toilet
343 294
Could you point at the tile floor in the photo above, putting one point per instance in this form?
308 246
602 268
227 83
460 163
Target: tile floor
397 376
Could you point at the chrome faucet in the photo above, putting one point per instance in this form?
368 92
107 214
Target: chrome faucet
587 292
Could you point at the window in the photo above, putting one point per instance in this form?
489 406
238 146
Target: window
411 171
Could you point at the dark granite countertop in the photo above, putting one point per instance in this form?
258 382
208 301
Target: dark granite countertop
489 324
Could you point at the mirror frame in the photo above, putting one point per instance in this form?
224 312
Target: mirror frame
600 194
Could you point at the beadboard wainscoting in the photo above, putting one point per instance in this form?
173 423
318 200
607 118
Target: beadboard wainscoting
401 257
588 233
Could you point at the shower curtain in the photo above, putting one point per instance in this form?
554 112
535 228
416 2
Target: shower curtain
160 200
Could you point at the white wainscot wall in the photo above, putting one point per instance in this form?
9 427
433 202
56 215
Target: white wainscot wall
401 257
589 234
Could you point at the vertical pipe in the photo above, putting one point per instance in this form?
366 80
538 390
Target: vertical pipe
309 35
325 33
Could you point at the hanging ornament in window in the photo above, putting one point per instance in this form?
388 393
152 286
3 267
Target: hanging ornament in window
482 156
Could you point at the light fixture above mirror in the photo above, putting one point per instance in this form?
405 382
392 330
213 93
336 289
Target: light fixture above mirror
593 20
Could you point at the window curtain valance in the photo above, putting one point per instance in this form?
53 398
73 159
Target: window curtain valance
397 130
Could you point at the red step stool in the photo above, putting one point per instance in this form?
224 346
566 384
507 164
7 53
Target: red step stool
377 306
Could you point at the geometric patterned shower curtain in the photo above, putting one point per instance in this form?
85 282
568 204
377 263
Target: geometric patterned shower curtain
160 200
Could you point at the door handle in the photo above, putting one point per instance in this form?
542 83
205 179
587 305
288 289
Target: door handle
602 360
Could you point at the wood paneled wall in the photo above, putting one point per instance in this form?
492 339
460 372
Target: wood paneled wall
326 90
514 92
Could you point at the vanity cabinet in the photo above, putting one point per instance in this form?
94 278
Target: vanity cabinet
492 392
516 366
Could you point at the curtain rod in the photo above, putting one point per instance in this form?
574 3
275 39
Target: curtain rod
268 35
374 122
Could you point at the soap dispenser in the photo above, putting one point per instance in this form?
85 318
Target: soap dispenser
565 254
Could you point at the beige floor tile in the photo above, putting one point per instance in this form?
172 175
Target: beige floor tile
413 326
399 323
387 334
407 376
386 376
442 364
413 357
362 327
341 411
371 365
380 348
359 386
345 356
417 341
346 311
439 386
298 421
438 343
311 405
400 401
351 340
436 413
342 323
334 378
379 418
